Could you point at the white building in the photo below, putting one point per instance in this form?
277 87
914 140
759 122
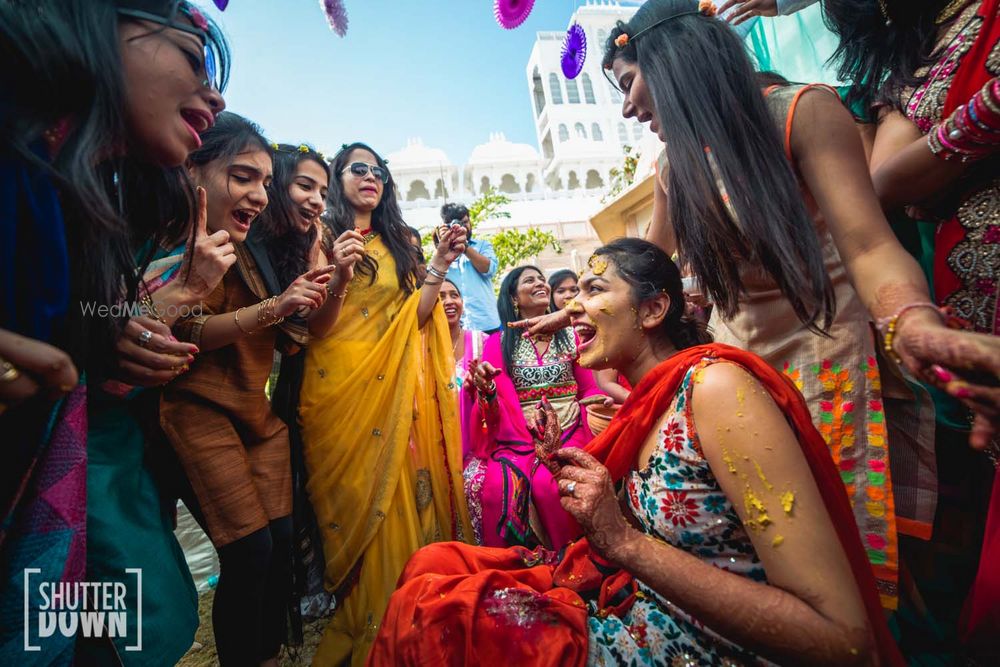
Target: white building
558 184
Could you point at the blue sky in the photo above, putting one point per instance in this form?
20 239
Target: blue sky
439 69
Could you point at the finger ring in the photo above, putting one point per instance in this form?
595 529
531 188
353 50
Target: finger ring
8 371
571 487
144 338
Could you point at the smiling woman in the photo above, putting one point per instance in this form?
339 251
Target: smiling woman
234 449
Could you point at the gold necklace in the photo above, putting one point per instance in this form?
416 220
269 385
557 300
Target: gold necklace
454 346
950 11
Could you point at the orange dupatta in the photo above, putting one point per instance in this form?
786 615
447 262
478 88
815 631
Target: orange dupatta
444 610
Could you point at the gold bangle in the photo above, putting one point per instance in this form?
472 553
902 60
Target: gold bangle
239 326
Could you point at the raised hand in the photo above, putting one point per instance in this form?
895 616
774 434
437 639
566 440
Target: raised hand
211 257
347 250
149 355
543 324
546 431
747 9
307 290
452 242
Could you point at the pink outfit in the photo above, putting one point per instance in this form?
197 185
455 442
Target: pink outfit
501 476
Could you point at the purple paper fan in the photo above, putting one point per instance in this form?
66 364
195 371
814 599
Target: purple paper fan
574 51
221 4
512 13
336 15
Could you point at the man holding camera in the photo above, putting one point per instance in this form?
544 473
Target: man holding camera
473 274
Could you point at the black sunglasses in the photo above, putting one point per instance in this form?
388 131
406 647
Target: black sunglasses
361 169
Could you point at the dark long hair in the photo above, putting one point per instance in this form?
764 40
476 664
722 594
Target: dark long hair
387 220
649 271
505 308
62 64
287 246
554 281
880 57
718 128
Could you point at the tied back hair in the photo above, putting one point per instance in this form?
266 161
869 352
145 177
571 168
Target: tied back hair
649 272
879 60
707 98
505 308
288 248
387 221
62 63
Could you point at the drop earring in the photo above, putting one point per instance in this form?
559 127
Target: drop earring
517 311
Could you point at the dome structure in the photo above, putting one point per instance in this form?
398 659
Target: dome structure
499 150
416 156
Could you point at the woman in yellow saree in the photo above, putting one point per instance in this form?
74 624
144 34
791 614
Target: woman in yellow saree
383 453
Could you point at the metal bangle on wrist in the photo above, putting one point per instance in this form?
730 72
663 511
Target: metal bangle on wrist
436 272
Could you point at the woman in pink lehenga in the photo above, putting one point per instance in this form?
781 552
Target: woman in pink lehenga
512 500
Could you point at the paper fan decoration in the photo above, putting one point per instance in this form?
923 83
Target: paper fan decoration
574 51
336 15
221 4
512 13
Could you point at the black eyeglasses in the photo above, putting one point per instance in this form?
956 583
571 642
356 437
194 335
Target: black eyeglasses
361 169
208 55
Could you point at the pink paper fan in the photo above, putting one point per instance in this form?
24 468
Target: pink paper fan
512 13
574 51
336 15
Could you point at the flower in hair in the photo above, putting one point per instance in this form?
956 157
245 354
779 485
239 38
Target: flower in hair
303 148
621 41
336 15
275 146
707 7
197 18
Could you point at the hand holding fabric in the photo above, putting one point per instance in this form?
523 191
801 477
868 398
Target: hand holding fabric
588 494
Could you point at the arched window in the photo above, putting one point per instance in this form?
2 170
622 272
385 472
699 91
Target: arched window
572 92
622 133
563 133
595 132
538 92
555 89
581 131
588 90
637 132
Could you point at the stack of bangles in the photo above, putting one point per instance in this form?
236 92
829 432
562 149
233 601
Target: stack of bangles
888 325
431 271
265 316
972 132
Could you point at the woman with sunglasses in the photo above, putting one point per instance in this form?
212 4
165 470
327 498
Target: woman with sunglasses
101 109
379 420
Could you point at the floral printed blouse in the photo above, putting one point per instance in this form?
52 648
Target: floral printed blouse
677 499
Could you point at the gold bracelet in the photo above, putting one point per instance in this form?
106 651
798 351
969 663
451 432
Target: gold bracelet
236 315
338 296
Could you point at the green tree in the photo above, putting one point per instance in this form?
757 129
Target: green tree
622 178
513 246
490 205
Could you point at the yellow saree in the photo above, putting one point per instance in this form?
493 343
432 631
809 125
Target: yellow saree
384 454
